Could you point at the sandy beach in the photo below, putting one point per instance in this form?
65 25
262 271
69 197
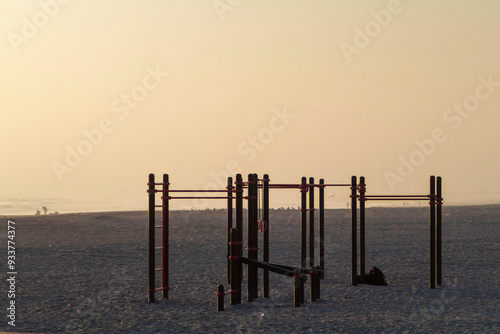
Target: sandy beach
87 273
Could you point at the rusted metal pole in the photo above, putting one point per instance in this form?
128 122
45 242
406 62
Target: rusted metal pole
432 234
362 191
220 297
354 237
165 258
321 230
229 223
239 228
265 199
303 229
438 231
303 234
151 224
311 222
233 254
256 235
250 230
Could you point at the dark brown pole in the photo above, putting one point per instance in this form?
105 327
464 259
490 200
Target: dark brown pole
239 227
321 230
298 290
256 235
229 222
151 223
250 229
362 191
432 234
438 231
354 236
233 254
165 238
311 222
220 297
303 229
266 226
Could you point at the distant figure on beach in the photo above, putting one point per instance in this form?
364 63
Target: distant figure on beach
37 213
44 210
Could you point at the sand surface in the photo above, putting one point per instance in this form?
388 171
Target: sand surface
87 273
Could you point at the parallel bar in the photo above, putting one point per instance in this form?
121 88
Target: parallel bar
432 235
421 196
165 257
265 199
311 222
354 237
362 191
198 197
394 199
151 224
438 232
321 230
229 224
198 191
239 227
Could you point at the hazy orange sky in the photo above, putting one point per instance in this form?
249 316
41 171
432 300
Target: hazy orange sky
97 94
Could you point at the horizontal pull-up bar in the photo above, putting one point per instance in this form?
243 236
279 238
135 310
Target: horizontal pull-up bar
298 186
200 197
396 196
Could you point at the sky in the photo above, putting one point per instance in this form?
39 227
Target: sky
95 95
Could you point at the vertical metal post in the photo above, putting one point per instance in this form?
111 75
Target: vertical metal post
256 235
229 222
165 238
362 191
233 254
303 235
250 231
311 222
321 229
265 195
239 228
438 231
303 228
432 234
354 237
220 297
151 224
